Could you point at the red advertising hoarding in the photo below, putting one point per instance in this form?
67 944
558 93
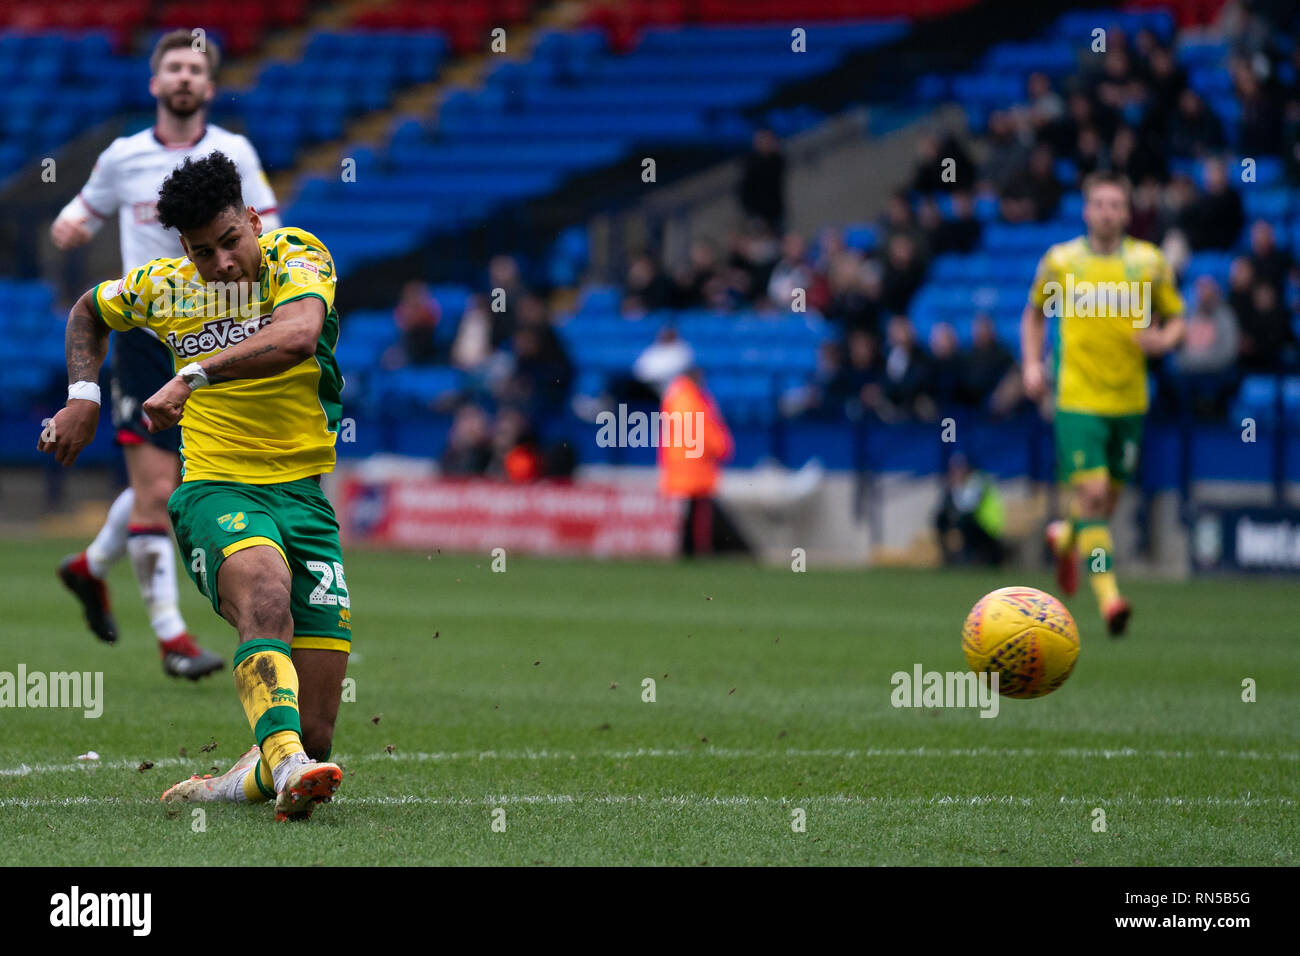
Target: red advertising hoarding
579 518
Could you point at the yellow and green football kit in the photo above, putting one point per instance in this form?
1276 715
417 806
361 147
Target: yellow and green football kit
1102 302
252 452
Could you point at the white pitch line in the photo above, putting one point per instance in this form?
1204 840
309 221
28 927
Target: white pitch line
702 800
719 753
830 753
23 770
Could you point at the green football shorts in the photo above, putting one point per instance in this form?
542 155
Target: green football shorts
215 519
1090 445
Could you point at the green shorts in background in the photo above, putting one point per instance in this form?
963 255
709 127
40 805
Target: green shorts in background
1087 445
215 519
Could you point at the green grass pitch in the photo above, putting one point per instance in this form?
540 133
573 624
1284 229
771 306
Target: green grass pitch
522 692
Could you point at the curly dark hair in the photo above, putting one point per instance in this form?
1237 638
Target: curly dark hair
198 191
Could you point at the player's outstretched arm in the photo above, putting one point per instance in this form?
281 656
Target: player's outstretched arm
86 343
284 340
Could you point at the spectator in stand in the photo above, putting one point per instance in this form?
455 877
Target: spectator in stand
992 379
507 288
1119 84
1241 285
1089 152
1212 338
854 301
1205 362
900 220
1007 152
516 455
830 243
961 233
1266 335
904 273
472 346
946 366
1034 194
826 394
865 382
933 151
1128 155
754 253
1272 264
1081 113
762 184
1193 131
469 446
1147 221
1044 108
907 380
1216 219
648 289
416 317
1166 81
792 272
696 284
541 373
1261 114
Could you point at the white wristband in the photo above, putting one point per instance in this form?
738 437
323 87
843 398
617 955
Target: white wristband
194 376
89 391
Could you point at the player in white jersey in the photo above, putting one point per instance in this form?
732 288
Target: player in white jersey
125 180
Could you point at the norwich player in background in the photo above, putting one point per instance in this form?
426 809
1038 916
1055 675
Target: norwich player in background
1117 304
252 324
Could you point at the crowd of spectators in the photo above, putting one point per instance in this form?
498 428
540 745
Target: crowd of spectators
1129 109
1132 110
516 374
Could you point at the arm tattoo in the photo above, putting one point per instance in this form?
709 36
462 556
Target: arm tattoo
86 343
220 363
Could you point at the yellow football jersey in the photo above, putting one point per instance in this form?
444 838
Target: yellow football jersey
1103 302
252 430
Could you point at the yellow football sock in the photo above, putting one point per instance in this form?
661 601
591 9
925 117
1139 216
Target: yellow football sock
267 685
258 783
1095 546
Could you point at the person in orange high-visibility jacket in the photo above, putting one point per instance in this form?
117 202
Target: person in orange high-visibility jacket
694 442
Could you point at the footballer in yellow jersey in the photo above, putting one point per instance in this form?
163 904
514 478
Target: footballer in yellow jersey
1117 304
251 325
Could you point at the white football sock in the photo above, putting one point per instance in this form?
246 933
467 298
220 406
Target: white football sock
153 558
110 543
280 772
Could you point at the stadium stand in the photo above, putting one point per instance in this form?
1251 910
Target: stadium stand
637 75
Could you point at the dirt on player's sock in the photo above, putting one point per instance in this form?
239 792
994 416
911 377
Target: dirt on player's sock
267 685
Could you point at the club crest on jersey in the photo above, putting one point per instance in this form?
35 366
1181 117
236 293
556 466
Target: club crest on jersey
212 336
234 521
